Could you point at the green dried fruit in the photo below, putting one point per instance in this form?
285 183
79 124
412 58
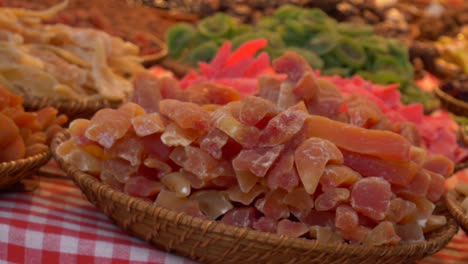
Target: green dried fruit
216 26
178 37
204 52
350 53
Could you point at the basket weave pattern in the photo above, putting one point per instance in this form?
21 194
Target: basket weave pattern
214 242
72 108
13 171
453 201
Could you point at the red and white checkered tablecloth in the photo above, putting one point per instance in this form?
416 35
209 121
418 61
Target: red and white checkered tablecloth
56 224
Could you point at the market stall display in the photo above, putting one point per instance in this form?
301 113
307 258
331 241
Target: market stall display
335 48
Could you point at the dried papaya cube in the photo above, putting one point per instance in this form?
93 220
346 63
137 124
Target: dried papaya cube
311 157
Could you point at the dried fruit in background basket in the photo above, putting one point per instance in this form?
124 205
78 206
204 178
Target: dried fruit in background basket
232 169
24 134
453 59
66 62
335 48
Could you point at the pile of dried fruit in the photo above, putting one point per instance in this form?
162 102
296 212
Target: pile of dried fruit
290 160
65 62
336 48
24 134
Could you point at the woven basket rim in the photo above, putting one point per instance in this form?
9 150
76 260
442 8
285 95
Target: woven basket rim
68 106
450 100
437 240
455 209
17 169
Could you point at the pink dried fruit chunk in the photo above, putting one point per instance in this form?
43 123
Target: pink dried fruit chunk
186 115
282 127
147 124
362 112
213 142
396 172
77 130
299 199
258 160
425 207
107 126
200 163
120 169
155 147
383 144
246 180
418 186
174 135
411 233
331 199
402 211
176 182
255 109
325 235
371 197
237 195
316 218
129 148
346 218
383 234
439 164
335 176
272 205
142 187
283 174
356 234
170 200
435 222
146 92
307 87
265 224
311 157
83 161
293 65
269 87
212 203
327 101
243 216
436 187
290 228
245 135
211 93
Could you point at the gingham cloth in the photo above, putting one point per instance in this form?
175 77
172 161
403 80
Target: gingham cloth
56 224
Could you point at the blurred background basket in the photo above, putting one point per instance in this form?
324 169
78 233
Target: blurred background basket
14 171
453 201
451 103
211 241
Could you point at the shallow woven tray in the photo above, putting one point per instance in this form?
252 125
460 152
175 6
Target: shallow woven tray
453 201
14 171
72 108
214 242
451 103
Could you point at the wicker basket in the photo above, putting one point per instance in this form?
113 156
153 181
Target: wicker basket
451 103
213 242
14 171
72 108
179 69
453 200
